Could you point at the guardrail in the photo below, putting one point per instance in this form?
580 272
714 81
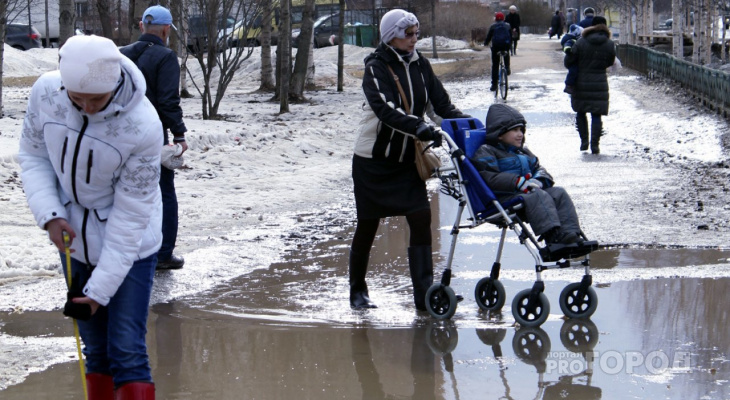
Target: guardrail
710 87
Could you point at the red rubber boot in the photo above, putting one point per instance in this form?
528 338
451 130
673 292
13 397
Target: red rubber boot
99 386
135 391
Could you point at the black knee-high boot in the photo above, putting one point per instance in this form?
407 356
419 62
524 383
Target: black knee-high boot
581 123
596 132
358 288
420 262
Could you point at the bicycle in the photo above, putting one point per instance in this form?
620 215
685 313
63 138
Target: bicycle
502 81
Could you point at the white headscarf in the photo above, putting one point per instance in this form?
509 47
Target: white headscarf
90 64
394 24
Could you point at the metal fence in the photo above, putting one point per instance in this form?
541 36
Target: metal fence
709 86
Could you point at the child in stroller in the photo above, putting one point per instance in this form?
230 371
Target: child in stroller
511 170
502 183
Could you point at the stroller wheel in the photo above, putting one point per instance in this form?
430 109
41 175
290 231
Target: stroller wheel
531 345
579 335
490 294
442 338
527 314
576 305
441 301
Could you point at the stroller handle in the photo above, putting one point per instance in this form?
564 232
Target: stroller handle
453 149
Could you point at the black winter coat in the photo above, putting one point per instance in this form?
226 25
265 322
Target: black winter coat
593 52
514 22
161 71
387 131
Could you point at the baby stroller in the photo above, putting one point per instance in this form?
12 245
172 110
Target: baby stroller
461 181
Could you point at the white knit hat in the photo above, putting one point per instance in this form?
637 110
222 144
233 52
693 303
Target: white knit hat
90 64
394 24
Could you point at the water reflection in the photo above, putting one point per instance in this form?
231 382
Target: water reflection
532 346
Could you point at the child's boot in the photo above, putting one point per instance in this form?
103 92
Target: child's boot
569 89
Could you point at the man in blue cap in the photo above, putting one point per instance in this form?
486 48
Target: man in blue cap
161 71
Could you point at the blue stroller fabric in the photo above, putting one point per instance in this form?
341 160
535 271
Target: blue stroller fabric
469 134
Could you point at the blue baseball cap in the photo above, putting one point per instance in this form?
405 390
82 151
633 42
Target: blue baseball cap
157 15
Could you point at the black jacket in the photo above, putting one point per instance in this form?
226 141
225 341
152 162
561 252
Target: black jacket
490 34
593 52
514 22
386 130
161 71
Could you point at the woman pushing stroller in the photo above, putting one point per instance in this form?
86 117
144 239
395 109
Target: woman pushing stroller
400 87
511 170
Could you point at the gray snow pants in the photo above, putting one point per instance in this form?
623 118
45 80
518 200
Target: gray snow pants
549 208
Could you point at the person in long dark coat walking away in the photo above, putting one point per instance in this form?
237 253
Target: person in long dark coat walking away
513 19
400 88
592 53
556 25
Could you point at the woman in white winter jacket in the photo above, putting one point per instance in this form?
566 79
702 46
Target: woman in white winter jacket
90 160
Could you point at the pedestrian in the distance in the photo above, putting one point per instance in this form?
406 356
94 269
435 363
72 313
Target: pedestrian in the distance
593 52
513 19
500 36
90 161
588 15
161 71
556 25
400 88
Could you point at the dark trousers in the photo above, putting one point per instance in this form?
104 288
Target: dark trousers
495 63
572 75
169 213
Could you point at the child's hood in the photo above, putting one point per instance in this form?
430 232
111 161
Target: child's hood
500 119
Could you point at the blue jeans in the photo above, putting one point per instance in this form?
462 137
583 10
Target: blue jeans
169 213
114 337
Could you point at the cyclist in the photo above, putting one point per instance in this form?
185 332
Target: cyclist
500 36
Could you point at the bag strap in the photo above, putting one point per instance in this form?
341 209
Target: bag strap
400 90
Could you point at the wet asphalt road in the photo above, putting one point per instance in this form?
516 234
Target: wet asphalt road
285 330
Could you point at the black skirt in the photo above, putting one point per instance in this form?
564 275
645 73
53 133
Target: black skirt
385 189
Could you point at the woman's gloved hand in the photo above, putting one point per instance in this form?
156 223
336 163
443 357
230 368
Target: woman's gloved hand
426 132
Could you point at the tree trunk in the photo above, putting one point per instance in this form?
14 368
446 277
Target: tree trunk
3 24
677 29
267 73
48 30
105 18
66 20
341 50
433 28
305 55
135 17
284 50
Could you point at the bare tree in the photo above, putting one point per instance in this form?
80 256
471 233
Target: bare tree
105 18
218 57
434 29
3 24
66 20
677 28
267 72
341 50
283 55
305 55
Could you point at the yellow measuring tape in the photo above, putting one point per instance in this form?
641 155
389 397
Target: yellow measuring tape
66 244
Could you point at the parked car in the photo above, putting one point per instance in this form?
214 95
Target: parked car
253 34
198 31
326 28
22 36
